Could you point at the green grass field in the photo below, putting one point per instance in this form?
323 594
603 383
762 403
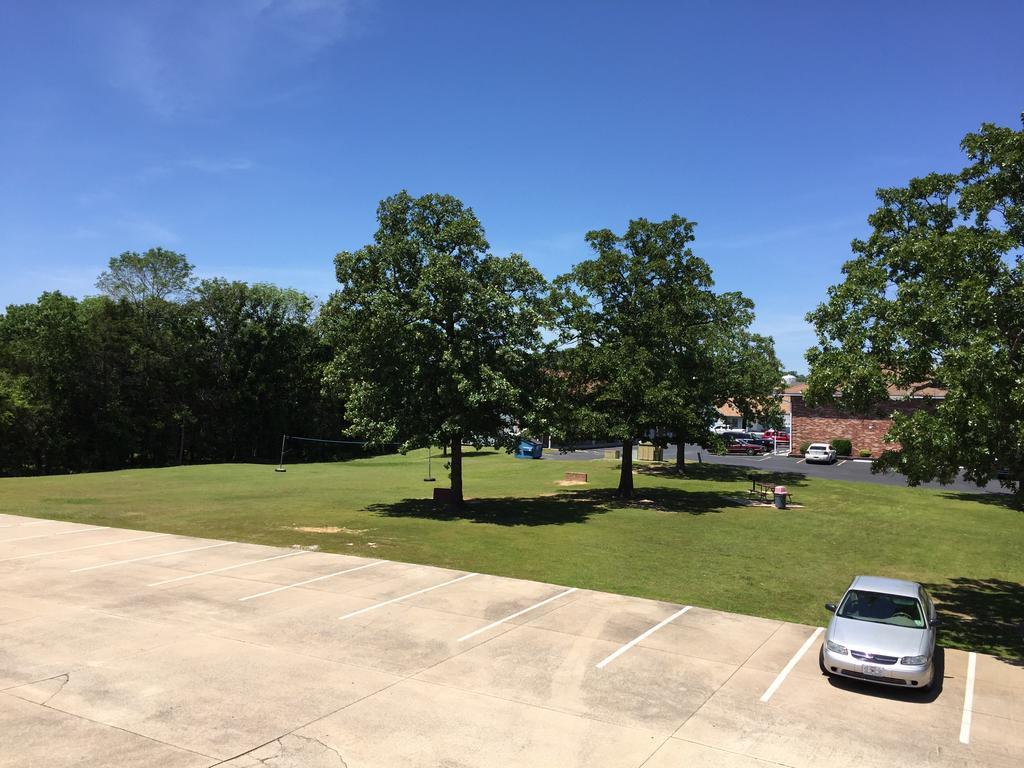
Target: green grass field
687 539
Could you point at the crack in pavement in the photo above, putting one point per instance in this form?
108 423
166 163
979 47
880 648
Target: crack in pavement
63 682
308 753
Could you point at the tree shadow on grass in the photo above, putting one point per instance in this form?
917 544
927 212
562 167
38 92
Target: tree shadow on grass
560 508
723 473
984 615
1006 499
477 454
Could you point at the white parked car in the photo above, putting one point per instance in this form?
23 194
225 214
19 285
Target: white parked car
820 453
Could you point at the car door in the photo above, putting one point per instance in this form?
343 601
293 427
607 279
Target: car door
929 609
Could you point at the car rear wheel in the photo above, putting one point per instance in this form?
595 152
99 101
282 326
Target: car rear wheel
750 451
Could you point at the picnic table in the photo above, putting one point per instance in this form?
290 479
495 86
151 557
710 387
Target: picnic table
764 491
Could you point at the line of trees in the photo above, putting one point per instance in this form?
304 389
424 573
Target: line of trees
439 342
158 369
430 340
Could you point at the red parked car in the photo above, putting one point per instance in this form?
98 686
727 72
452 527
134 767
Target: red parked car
748 447
776 436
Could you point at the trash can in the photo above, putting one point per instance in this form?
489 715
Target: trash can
780 497
528 449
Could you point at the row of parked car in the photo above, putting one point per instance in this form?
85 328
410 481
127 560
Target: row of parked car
751 443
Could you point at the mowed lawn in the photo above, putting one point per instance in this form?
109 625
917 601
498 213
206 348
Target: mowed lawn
686 538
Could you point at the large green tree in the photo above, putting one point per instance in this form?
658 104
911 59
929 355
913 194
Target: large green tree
642 339
155 274
933 298
434 337
728 364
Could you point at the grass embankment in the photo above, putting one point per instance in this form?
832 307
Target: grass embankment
685 539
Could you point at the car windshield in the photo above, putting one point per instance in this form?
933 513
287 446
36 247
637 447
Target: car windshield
818 447
895 610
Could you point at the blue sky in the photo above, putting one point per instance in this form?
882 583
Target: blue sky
256 136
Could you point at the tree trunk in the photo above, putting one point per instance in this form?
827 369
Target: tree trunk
456 469
680 458
626 475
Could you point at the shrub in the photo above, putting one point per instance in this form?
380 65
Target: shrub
843 446
864 453
804 447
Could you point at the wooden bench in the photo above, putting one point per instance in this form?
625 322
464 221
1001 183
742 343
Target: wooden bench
576 477
765 492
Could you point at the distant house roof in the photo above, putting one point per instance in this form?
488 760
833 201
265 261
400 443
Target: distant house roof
895 393
729 410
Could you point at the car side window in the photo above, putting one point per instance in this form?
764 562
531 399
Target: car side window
929 606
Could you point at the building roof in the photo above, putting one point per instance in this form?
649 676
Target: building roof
886 586
729 410
895 393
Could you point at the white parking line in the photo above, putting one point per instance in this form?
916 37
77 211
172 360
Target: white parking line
226 568
76 549
792 663
605 662
801 461
841 463
403 597
516 614
965 723
150 557
61 533
310 581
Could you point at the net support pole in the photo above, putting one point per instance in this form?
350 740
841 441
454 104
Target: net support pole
280 463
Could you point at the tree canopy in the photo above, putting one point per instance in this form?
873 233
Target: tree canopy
100 383
435 338
644 339
155 274
933 299
430 339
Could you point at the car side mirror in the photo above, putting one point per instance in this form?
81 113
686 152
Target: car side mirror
830 607
936 622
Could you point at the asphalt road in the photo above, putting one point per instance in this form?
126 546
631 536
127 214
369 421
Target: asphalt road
857 470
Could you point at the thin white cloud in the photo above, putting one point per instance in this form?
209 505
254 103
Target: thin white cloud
84 233
152 233
215 165
178 58
95 197
316 282
783 234
25 286
553 254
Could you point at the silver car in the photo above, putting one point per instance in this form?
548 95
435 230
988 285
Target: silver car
820 452
883 631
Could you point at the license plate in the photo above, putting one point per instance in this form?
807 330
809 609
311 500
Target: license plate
868 669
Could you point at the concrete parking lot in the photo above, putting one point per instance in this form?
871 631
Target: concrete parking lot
131 648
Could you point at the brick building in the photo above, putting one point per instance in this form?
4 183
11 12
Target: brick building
823 424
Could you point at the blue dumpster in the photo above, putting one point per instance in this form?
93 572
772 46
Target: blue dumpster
528 449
